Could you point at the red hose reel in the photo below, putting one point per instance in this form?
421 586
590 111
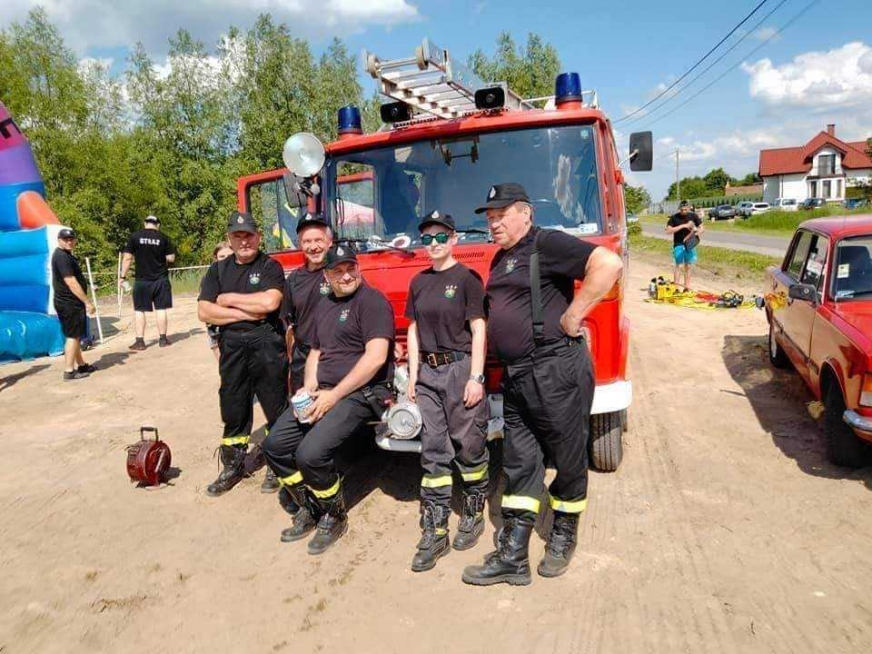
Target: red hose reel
148 461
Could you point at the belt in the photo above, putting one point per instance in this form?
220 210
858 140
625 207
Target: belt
541 352
436 359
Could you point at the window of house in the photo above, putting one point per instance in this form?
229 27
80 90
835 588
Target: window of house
839 189
813 192
801 246
827 164
828 189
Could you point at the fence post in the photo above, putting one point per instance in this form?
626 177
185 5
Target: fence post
118 288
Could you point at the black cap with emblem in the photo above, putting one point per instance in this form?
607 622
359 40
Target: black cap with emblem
502 195
339 254
66 232
311 220
436 218
241 221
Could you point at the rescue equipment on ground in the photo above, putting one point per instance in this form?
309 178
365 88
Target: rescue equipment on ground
148 461
404 420
662 292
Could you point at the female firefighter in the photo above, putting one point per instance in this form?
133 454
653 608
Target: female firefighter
446 364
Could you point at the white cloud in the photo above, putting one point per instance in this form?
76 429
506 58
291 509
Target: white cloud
108 23
765 33
816 81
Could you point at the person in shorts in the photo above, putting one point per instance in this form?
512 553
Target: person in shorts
71 304
686 228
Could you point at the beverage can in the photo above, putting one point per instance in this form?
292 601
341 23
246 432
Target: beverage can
301 402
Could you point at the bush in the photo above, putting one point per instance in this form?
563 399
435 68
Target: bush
634 229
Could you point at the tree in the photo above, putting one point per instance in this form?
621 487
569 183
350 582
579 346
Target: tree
716 181
636 198
529 71
748 180
691 187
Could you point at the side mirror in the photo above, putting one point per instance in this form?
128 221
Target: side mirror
641 151
804 292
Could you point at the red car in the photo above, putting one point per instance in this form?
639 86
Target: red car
819 307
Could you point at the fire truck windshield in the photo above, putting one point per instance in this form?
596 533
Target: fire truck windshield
380 194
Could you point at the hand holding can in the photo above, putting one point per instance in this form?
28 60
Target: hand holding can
301 403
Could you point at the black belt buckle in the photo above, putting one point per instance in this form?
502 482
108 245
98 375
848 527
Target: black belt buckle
432 360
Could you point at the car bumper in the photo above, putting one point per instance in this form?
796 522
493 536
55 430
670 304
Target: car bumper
860 424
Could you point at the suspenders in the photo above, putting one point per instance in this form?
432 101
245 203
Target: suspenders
536 293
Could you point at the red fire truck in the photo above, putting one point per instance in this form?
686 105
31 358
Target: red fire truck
447 138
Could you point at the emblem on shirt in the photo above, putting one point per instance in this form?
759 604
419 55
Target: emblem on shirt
344 315
325 288
254 279
450 291
510 264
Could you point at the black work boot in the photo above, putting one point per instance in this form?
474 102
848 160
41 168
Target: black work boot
561 545
471 525
332 524
233 459
510 563
270 482
434 536
138 345
288 502
306 517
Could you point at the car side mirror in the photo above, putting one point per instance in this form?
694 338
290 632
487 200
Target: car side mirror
804 292
641 151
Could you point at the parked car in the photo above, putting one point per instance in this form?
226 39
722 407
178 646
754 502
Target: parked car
632 218
812 203
744 208
760 207
785 204
723 211
819 307
855 203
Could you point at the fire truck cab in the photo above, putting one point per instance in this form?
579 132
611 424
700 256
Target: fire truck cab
447 138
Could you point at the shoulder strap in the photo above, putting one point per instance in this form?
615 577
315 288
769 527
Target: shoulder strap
536 292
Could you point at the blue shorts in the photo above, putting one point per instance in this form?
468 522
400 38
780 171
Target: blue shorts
683 256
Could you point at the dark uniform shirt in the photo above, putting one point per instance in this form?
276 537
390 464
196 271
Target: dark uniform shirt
442 303
344 325
677 219
228 276
562 260
304 289
149 248
64 264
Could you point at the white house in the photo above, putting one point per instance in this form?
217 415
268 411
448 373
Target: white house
822 168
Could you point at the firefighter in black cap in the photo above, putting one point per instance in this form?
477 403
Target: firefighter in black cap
535 330
446 380
347 373
242 295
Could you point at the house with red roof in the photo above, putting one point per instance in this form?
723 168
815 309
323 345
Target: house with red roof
822 168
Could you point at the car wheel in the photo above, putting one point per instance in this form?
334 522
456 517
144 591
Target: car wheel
842 445
777 356
606 445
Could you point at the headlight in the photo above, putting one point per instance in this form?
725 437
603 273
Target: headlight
404 420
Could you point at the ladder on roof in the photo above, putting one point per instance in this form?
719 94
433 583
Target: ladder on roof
431 82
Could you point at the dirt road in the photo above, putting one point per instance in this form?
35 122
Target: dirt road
773 246
724 531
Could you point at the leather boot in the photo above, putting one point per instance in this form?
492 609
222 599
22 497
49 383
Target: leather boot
233 459
471 525
434 536
560 546
306 517
332 524
510 563
270 482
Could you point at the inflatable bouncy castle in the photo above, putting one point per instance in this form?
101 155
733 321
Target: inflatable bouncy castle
28 236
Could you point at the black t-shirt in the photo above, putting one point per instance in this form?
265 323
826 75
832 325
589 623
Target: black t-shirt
228 276
304 289
677 219
442 303
562 260
149 248
343 326
65 264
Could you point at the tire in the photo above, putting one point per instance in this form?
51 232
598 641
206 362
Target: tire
606 445
777 357
842 445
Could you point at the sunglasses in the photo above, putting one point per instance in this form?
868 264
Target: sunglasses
441 237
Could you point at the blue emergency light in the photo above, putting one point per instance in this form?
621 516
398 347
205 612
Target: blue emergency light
567 88
349 120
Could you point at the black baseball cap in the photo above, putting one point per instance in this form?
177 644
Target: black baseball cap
339 254
436 218
152 219
502 195
311 220
241 221
67 232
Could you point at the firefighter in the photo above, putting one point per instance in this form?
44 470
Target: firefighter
347 373
242 295
535 331
446 342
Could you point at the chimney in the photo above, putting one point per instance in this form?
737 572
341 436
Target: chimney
831 129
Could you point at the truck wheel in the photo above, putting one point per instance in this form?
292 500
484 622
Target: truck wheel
843 446
606 446
777 356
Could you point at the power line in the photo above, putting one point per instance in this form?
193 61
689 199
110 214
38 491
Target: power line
738 63
692 68
709 67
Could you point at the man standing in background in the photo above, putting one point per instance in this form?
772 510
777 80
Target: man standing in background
152 251
71 303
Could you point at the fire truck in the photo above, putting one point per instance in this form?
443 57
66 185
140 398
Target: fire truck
447 138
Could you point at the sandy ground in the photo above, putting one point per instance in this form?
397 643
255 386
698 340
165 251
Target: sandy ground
724 530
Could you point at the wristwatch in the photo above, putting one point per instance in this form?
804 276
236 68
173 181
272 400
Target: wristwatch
478 379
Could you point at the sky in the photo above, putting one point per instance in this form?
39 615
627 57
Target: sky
788 75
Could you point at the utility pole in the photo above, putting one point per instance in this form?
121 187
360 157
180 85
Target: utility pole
677 178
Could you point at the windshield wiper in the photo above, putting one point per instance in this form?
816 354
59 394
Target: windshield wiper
374 242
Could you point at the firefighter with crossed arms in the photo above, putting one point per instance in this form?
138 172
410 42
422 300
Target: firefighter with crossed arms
536 334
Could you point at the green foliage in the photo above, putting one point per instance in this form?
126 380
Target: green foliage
712 184
636 198
634 229
529 71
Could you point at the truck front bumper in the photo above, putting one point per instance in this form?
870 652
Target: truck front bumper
860 424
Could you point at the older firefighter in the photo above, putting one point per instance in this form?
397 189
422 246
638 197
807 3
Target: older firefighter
347 373
446 366
242 294
535 330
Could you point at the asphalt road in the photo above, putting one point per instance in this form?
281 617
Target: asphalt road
773 246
